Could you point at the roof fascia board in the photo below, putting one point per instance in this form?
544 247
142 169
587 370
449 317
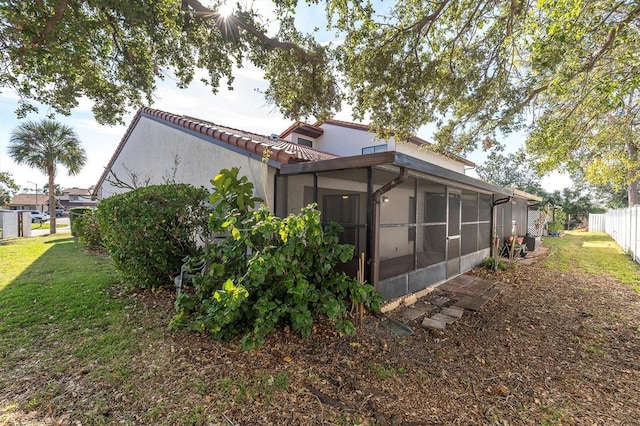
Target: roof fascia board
522 194
393 158
441 172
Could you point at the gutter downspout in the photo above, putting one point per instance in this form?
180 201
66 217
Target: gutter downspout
375 234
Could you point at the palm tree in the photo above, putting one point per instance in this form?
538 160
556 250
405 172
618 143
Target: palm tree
42 145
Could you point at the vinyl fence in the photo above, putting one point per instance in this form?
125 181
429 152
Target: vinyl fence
622 225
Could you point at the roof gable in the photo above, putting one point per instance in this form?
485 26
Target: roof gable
275 149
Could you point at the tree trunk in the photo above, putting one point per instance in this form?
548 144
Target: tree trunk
632 174
51 171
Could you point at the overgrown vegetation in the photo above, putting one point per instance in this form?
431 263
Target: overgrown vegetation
268 270
150 230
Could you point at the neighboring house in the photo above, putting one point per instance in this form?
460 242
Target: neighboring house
29 202
76 197
414 214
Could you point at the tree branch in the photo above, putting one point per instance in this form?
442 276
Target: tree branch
60 8
273 43
610 39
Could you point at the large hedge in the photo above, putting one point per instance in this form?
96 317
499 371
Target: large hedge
148 231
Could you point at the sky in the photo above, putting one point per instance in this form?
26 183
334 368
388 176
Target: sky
243 108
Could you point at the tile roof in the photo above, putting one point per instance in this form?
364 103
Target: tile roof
77 191
281 151
304 129
29 199
297 153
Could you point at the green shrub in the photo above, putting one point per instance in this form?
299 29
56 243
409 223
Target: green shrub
87 230
148 231
75 212
490 263
267 271
554 227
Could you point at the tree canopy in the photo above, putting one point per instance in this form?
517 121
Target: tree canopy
511 170
472 67
8 187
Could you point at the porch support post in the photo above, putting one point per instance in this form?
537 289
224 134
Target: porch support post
495 240
375 228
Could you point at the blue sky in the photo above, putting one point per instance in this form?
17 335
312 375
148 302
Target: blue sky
243 108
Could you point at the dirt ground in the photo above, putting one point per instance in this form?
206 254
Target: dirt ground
552 349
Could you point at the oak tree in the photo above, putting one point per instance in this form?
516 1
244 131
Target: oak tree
472 67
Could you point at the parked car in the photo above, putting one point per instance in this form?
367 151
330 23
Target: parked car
37 216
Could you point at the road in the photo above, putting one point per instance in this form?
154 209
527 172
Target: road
37 232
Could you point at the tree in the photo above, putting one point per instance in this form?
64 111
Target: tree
596 138
575 205
608 194
57 190
470 66
43 145
511 170
8 187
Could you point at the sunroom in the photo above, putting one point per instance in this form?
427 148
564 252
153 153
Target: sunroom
416 224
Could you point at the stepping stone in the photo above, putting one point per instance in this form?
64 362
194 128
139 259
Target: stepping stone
433 324
481 287
415 311
492 293
454 311
441 301
471 303
444 318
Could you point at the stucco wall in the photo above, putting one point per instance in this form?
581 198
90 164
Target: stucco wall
159 153
346 142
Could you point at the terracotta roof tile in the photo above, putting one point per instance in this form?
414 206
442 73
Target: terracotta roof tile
27 199
281 151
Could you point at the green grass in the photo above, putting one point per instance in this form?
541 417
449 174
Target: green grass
46 225
594 253
56 309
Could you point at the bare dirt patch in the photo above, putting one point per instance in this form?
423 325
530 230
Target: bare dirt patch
553 348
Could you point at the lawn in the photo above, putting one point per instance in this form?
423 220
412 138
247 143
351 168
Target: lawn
591 252
559 346
47 225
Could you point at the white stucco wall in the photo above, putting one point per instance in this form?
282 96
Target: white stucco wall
346 142
152 149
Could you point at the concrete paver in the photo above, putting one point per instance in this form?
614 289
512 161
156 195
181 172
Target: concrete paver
433 324
453 311
444 318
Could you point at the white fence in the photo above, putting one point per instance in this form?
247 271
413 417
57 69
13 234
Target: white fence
622 225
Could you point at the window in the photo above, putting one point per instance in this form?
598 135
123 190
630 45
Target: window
374 149
305 142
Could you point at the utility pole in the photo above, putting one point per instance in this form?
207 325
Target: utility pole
36 193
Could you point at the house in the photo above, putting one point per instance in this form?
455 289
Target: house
29 202
76 197
414 214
